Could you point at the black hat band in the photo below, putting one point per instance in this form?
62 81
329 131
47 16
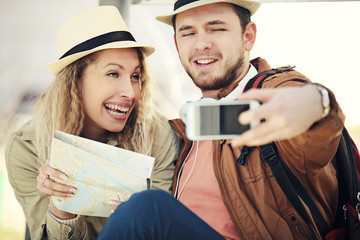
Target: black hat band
181 3
100 40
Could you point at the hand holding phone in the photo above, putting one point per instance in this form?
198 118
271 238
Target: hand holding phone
217 120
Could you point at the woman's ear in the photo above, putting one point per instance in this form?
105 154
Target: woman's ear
249 36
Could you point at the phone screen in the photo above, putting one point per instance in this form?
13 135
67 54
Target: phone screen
222 119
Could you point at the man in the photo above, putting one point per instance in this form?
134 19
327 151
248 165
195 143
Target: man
214 39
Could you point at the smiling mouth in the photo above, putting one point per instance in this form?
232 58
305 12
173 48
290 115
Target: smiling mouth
116 110
205 61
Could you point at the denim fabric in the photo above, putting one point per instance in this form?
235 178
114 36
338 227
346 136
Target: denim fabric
155 214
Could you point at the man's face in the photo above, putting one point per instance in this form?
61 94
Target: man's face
210 43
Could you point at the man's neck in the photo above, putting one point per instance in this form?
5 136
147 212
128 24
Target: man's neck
210 94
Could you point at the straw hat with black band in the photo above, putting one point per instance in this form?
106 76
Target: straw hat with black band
183 5
97 29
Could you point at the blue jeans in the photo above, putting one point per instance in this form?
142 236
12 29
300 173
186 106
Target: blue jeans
155 214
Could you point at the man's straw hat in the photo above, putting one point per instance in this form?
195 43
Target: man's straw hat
183 5
91 31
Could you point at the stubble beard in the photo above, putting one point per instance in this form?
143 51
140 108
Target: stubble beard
229 76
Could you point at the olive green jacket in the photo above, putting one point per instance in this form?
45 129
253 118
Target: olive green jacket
23 167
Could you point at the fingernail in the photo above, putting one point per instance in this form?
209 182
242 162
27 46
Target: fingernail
63 176
73 190
69 195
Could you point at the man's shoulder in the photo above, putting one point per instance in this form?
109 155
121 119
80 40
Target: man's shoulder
284 75
288 78
178 126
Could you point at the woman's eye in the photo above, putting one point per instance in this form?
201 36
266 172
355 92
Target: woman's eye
113 74
135 77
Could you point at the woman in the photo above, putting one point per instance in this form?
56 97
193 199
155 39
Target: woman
101 92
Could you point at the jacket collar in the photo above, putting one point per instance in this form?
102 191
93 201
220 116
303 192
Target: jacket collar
259 63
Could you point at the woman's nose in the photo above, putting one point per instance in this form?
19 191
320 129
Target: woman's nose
126 89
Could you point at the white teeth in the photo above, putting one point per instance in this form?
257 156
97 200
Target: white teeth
118 114
116 107
205 61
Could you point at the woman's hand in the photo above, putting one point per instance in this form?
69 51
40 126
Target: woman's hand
114 204
49 187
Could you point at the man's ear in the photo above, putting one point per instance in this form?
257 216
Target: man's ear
177 49
249 36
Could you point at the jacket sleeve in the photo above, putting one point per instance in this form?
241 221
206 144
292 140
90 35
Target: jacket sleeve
59 231
314 149
22 164
165 150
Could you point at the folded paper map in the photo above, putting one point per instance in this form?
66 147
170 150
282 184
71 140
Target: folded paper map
99 172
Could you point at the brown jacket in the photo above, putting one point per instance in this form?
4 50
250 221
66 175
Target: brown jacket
254 200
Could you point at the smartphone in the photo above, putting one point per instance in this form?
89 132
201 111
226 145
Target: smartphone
217 120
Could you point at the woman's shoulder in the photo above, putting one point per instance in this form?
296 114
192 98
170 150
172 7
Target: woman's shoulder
25 132
21 141
163 128
164 133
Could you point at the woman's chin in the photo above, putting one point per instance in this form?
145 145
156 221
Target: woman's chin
116 129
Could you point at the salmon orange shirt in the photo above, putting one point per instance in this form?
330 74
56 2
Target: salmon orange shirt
201 192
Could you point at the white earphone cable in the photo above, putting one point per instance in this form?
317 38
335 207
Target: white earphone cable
180 171
192 168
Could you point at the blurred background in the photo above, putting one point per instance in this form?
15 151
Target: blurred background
320 38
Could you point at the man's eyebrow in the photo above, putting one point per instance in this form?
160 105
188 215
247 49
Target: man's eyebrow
186 27
216 22
210 23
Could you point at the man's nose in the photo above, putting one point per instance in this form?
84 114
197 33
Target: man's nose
203 41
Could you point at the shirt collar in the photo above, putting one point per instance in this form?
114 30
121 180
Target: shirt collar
242 83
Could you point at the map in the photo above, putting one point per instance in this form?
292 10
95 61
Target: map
99 172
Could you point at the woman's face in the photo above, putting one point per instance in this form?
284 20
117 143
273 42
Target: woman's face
110 89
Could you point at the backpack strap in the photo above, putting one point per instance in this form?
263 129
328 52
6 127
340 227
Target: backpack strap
292 187
348 168
353 184
289 183
257 81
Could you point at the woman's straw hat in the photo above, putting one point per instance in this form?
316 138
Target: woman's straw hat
183 5
91 31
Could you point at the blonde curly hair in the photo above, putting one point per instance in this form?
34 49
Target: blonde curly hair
60 107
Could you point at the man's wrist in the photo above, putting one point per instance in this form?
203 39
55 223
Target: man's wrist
325 99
